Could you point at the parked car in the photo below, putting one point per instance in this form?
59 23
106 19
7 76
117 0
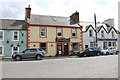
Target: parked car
110 50
29 53
90 52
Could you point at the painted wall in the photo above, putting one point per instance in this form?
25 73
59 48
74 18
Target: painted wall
35 39
8 37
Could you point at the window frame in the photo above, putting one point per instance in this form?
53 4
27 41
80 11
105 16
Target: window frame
75 33
113 35
43 49
13 39
61 32
2 50
2 35
102 34
40 29
90 34
17 47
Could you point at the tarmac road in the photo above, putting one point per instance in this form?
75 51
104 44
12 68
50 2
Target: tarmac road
86 67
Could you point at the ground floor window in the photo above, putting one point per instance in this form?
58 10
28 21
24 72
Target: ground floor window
1 50
91 44
109 43
86 46
43 46
104 45
15 49
114 44
75 46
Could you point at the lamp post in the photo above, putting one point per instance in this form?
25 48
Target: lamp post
95 30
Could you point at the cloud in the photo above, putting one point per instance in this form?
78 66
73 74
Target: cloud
104 9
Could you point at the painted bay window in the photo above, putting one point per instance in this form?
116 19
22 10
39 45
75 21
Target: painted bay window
90 33
75 46
43 32
43 46
59 32
15 35
104 45
1 35
1 50
74 33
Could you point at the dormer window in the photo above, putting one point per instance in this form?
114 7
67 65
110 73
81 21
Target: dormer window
102 34
90 33
113 34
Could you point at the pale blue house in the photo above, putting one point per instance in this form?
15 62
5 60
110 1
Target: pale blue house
12 36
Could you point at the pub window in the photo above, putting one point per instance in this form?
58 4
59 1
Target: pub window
43 32
15 35
43 46
59 32
74 33
91 44
75 46
1 35
90 33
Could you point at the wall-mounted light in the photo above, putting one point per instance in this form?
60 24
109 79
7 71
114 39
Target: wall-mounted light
11 45
34 45
18 45
51 45
7 41
22 41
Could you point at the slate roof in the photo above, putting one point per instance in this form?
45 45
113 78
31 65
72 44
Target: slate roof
51 20
12 24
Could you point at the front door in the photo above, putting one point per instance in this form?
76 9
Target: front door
59 49
66 49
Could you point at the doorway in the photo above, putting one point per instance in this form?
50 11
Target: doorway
66 48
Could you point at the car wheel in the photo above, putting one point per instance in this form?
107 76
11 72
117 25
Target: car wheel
117 52
18 58
107 53
38 57
85 55
98 54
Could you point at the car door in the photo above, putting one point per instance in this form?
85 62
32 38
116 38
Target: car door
32 53
90 52
110 50
25 53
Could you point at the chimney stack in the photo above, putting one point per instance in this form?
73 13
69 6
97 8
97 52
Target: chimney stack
74 18
27 14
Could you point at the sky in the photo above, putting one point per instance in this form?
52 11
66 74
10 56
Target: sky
104 9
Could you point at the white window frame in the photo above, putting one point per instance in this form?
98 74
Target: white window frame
91 33
102 34
45 31
2 35
75 32
15 46
2 50
17 36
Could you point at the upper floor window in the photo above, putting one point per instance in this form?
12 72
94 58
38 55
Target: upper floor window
1 35
74 33
43 32
15 35
113 34
90 33
59 32
102 34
